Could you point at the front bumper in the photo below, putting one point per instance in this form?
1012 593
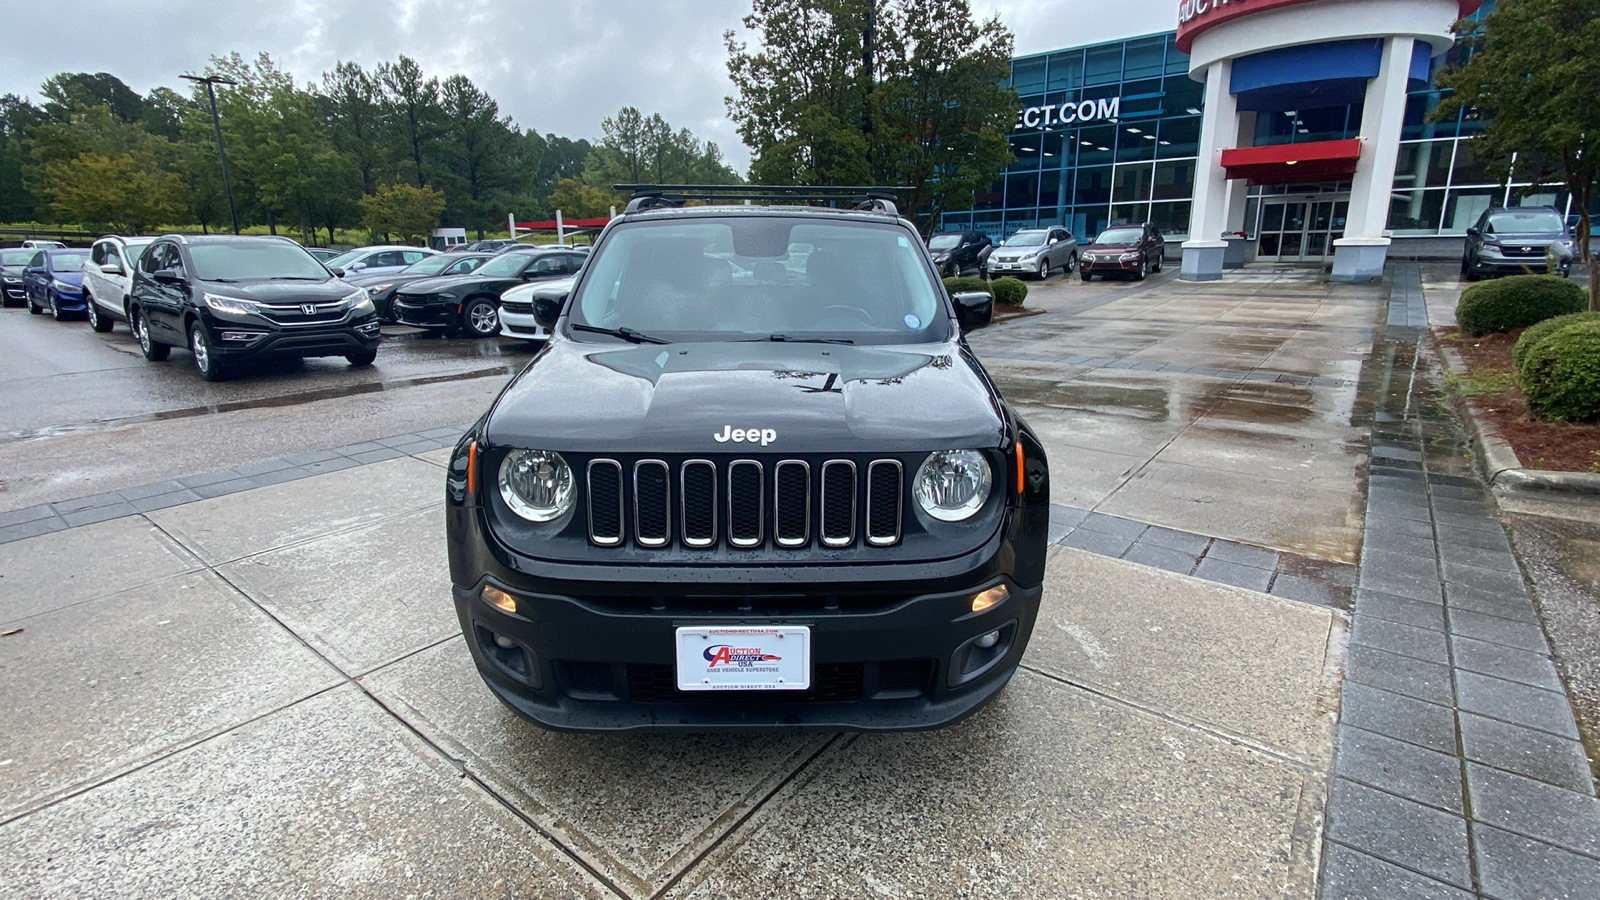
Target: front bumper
892 645
1027 265
68 302
430 314
1113 265
1516 266
521 325
229 340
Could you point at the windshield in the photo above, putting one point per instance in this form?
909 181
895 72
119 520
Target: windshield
507 266
432 265
762 278
1026 239
944 242
16 257
255 259
1531 222
68 260
344 259
1120 236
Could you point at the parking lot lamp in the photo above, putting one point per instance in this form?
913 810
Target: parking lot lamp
216 125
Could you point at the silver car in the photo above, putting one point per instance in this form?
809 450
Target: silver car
378 260
1036 252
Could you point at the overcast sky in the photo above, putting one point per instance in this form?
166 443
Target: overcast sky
553 66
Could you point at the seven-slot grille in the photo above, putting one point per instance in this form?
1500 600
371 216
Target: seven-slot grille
745 503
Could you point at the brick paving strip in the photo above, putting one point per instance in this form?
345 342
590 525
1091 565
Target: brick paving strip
1458 772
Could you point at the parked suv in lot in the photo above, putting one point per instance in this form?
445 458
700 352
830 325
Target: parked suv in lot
755 480
956 251
1036 252
1131 250
1517 239
230 299
107 277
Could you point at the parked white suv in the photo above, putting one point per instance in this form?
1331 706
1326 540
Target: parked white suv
106 277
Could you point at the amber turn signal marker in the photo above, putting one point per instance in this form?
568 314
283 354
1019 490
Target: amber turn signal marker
1019 468
499 599
472 467
992 597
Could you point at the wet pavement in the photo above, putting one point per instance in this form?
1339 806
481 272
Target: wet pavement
239 672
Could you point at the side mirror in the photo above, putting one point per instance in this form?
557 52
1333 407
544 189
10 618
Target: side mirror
110 269
167 276
974 309
1473 232
357 266
548 303
337 272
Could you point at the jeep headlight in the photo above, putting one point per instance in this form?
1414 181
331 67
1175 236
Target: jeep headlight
952 485
536 484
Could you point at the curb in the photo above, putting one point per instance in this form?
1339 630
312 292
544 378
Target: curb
1501 468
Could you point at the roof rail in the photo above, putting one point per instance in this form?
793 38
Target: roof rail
863 198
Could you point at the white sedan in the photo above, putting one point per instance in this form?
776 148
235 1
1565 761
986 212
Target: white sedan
516 310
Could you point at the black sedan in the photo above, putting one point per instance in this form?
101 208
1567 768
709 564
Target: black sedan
471 303
381 288
12 261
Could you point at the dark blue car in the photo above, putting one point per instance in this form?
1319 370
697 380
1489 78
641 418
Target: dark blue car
53 281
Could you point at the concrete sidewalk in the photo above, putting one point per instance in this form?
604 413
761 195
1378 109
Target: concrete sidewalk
265 692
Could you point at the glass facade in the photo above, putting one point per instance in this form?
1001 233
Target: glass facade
1089 171
1138 163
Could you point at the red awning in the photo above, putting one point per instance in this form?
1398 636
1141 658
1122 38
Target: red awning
1293 163
550 224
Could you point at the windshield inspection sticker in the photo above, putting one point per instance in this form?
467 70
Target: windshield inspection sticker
661 361
912 322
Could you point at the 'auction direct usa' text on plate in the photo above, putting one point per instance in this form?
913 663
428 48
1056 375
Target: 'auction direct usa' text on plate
740 658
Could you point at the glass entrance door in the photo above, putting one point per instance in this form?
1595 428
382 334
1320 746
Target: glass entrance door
1299 230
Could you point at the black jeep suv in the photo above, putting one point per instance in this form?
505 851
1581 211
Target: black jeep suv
755 480
230 299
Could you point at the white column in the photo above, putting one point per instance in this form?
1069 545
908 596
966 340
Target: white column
1361 253
1208 218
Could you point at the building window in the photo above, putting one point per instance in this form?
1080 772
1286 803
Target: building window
1132 183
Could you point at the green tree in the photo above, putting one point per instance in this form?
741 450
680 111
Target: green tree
66 92
402 209
119 193
415 117
355 107
18 117
577 199
1531 71
932 117
478 152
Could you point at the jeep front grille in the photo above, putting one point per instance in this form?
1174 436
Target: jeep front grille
745 504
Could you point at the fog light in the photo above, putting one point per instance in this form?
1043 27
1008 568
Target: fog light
505 643
988 640
241 335
992 597
500 600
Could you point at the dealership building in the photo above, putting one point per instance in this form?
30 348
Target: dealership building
1301 124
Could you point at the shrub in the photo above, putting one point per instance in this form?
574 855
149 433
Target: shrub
962 285
1010 291
1537 333
1560 372
1517 302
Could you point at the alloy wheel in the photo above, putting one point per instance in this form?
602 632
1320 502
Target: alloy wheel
483 319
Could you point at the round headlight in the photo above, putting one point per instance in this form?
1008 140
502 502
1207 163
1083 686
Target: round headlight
952 485
536 484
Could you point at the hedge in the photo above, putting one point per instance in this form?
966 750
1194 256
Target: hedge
1517 302
1560 372
956 285
1537 333
1010 291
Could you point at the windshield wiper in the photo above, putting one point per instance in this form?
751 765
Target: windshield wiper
785 339
294 278
626 333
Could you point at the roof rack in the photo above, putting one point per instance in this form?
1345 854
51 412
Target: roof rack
862 198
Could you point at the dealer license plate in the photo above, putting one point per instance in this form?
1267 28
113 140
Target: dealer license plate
744 658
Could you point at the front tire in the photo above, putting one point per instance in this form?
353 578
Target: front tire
1160 261
1044 269
153 350
55 308
1143 270
481 318
364 358
98 322
1085 275
205 356
1072 265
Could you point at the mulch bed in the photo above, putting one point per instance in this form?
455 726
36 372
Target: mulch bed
1553 446
1007 311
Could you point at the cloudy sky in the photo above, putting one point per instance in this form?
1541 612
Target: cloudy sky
553 66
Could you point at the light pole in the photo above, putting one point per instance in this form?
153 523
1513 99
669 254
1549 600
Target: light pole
216 125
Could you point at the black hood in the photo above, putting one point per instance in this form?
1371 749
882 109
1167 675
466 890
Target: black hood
817 399
281 292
